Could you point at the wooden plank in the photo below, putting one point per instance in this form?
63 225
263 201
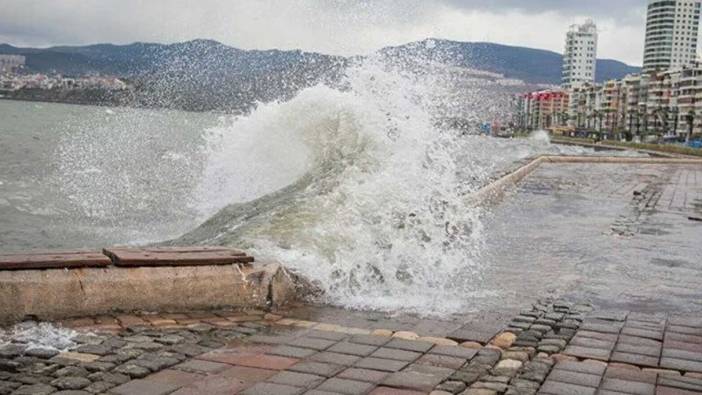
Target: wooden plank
53 260
176 256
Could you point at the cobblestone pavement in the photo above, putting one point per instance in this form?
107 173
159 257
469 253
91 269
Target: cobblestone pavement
552 348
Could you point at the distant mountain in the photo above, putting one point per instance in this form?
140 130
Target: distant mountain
205 74
536 66
195 75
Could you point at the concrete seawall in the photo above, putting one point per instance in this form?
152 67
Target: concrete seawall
494 191
62 293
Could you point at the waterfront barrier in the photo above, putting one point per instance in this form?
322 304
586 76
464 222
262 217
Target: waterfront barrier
493 192
63 284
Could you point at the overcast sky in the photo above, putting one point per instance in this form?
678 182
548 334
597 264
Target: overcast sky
331 26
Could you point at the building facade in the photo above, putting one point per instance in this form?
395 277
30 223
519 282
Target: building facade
648 106
9 63
672 27
580 55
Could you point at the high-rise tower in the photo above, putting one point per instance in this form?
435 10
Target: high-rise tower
580 56
671 34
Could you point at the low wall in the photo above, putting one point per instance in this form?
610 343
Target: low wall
493 192
63 293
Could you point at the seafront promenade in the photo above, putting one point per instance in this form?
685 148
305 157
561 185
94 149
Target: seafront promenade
552 347
626 318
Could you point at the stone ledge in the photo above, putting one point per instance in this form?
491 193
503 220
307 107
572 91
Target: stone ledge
496 190
60 293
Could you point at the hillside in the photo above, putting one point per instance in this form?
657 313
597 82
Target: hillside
535 66
208 75
528 64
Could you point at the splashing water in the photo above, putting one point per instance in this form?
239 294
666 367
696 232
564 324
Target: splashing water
540 136
39 335
379 215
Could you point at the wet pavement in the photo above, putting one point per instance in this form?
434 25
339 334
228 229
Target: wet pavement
551 347
618 235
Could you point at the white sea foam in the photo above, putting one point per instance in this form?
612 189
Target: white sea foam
39 335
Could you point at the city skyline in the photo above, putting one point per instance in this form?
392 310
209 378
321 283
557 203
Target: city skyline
333 27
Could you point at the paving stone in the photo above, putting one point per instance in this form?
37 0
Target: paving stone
9 366
601 327
155 364
584 379
317 392
631 375
409 345
317 368
685 383
386 365
684 330
694 322
582 367
335 358
133 371
190 350
588 352
473 334
683 337
556 388
144 387
661 390
336 336
34 389
360 350
400 355
634 359
99 387
247 375
497 387
343 386
198 366
371 376
111 377
682 354
214 385
441 361
292 352
453 351
651 351
43 353
453 387
177 377
12 350
591 343
96 349
681 364
370 340
437 371
70 383
296 379
71 371
262 361
479 391
611 337
412 381
98 366
312 343
650 334
6 387
266 339
631 387
394 391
